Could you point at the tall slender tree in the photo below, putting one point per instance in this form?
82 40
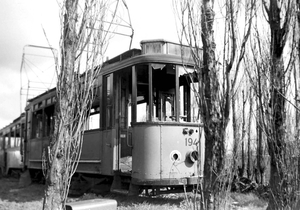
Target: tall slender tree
215 90
249 163
278 17
296 72
213 128
83 42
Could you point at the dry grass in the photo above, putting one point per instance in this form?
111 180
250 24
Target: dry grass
31 198
247 201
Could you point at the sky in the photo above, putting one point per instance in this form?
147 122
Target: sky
37 22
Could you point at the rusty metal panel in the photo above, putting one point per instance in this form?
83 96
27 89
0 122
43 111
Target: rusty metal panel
97 204
36 149
14 158
91 154
108 151
166 153
176 145
146 152
92 144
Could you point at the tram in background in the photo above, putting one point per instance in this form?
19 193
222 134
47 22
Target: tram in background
144 129
11 147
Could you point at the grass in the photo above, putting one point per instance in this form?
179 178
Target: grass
164 202
31 198
247 199
13 197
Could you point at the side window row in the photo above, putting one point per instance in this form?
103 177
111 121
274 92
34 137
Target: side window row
42 119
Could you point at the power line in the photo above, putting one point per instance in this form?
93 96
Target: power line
27 65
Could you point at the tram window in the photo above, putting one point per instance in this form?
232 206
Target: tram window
37 124
6 142
125 100
12 142
189 88
168 104
49 120
17 141
129 111
164 94
164 82
108 97
142 93
176 49
153 48
93 121
195 102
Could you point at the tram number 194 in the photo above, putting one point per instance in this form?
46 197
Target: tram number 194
190 141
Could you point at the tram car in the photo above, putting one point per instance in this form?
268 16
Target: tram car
144 129
11 147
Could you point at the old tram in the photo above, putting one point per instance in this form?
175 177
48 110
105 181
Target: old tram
144 130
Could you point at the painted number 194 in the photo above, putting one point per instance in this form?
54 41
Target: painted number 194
190 141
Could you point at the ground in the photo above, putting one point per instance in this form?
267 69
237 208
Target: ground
12 196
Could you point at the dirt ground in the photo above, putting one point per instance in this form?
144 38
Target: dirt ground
14 197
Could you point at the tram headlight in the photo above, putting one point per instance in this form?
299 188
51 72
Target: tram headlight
192 156
175 156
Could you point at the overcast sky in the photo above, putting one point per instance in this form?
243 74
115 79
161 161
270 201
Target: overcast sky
21 24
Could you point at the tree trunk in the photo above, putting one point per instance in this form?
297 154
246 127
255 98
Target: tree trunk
276 139
259 157
249 136
276 124
213 125
241 173
236 137
55 194
260 124
53 198
296 72
297 85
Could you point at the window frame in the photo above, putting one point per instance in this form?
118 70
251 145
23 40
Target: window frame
179 106
107 123
40 108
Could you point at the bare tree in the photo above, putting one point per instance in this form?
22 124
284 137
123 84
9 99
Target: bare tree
83 42
260 166
242 169
297 96
257 63
197 28
239 133
249 168
278 17
236 134
296 70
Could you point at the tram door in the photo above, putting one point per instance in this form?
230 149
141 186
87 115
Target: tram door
124 120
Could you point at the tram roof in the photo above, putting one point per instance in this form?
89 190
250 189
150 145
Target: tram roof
6 129
147 54
148 58
46 93
152 51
